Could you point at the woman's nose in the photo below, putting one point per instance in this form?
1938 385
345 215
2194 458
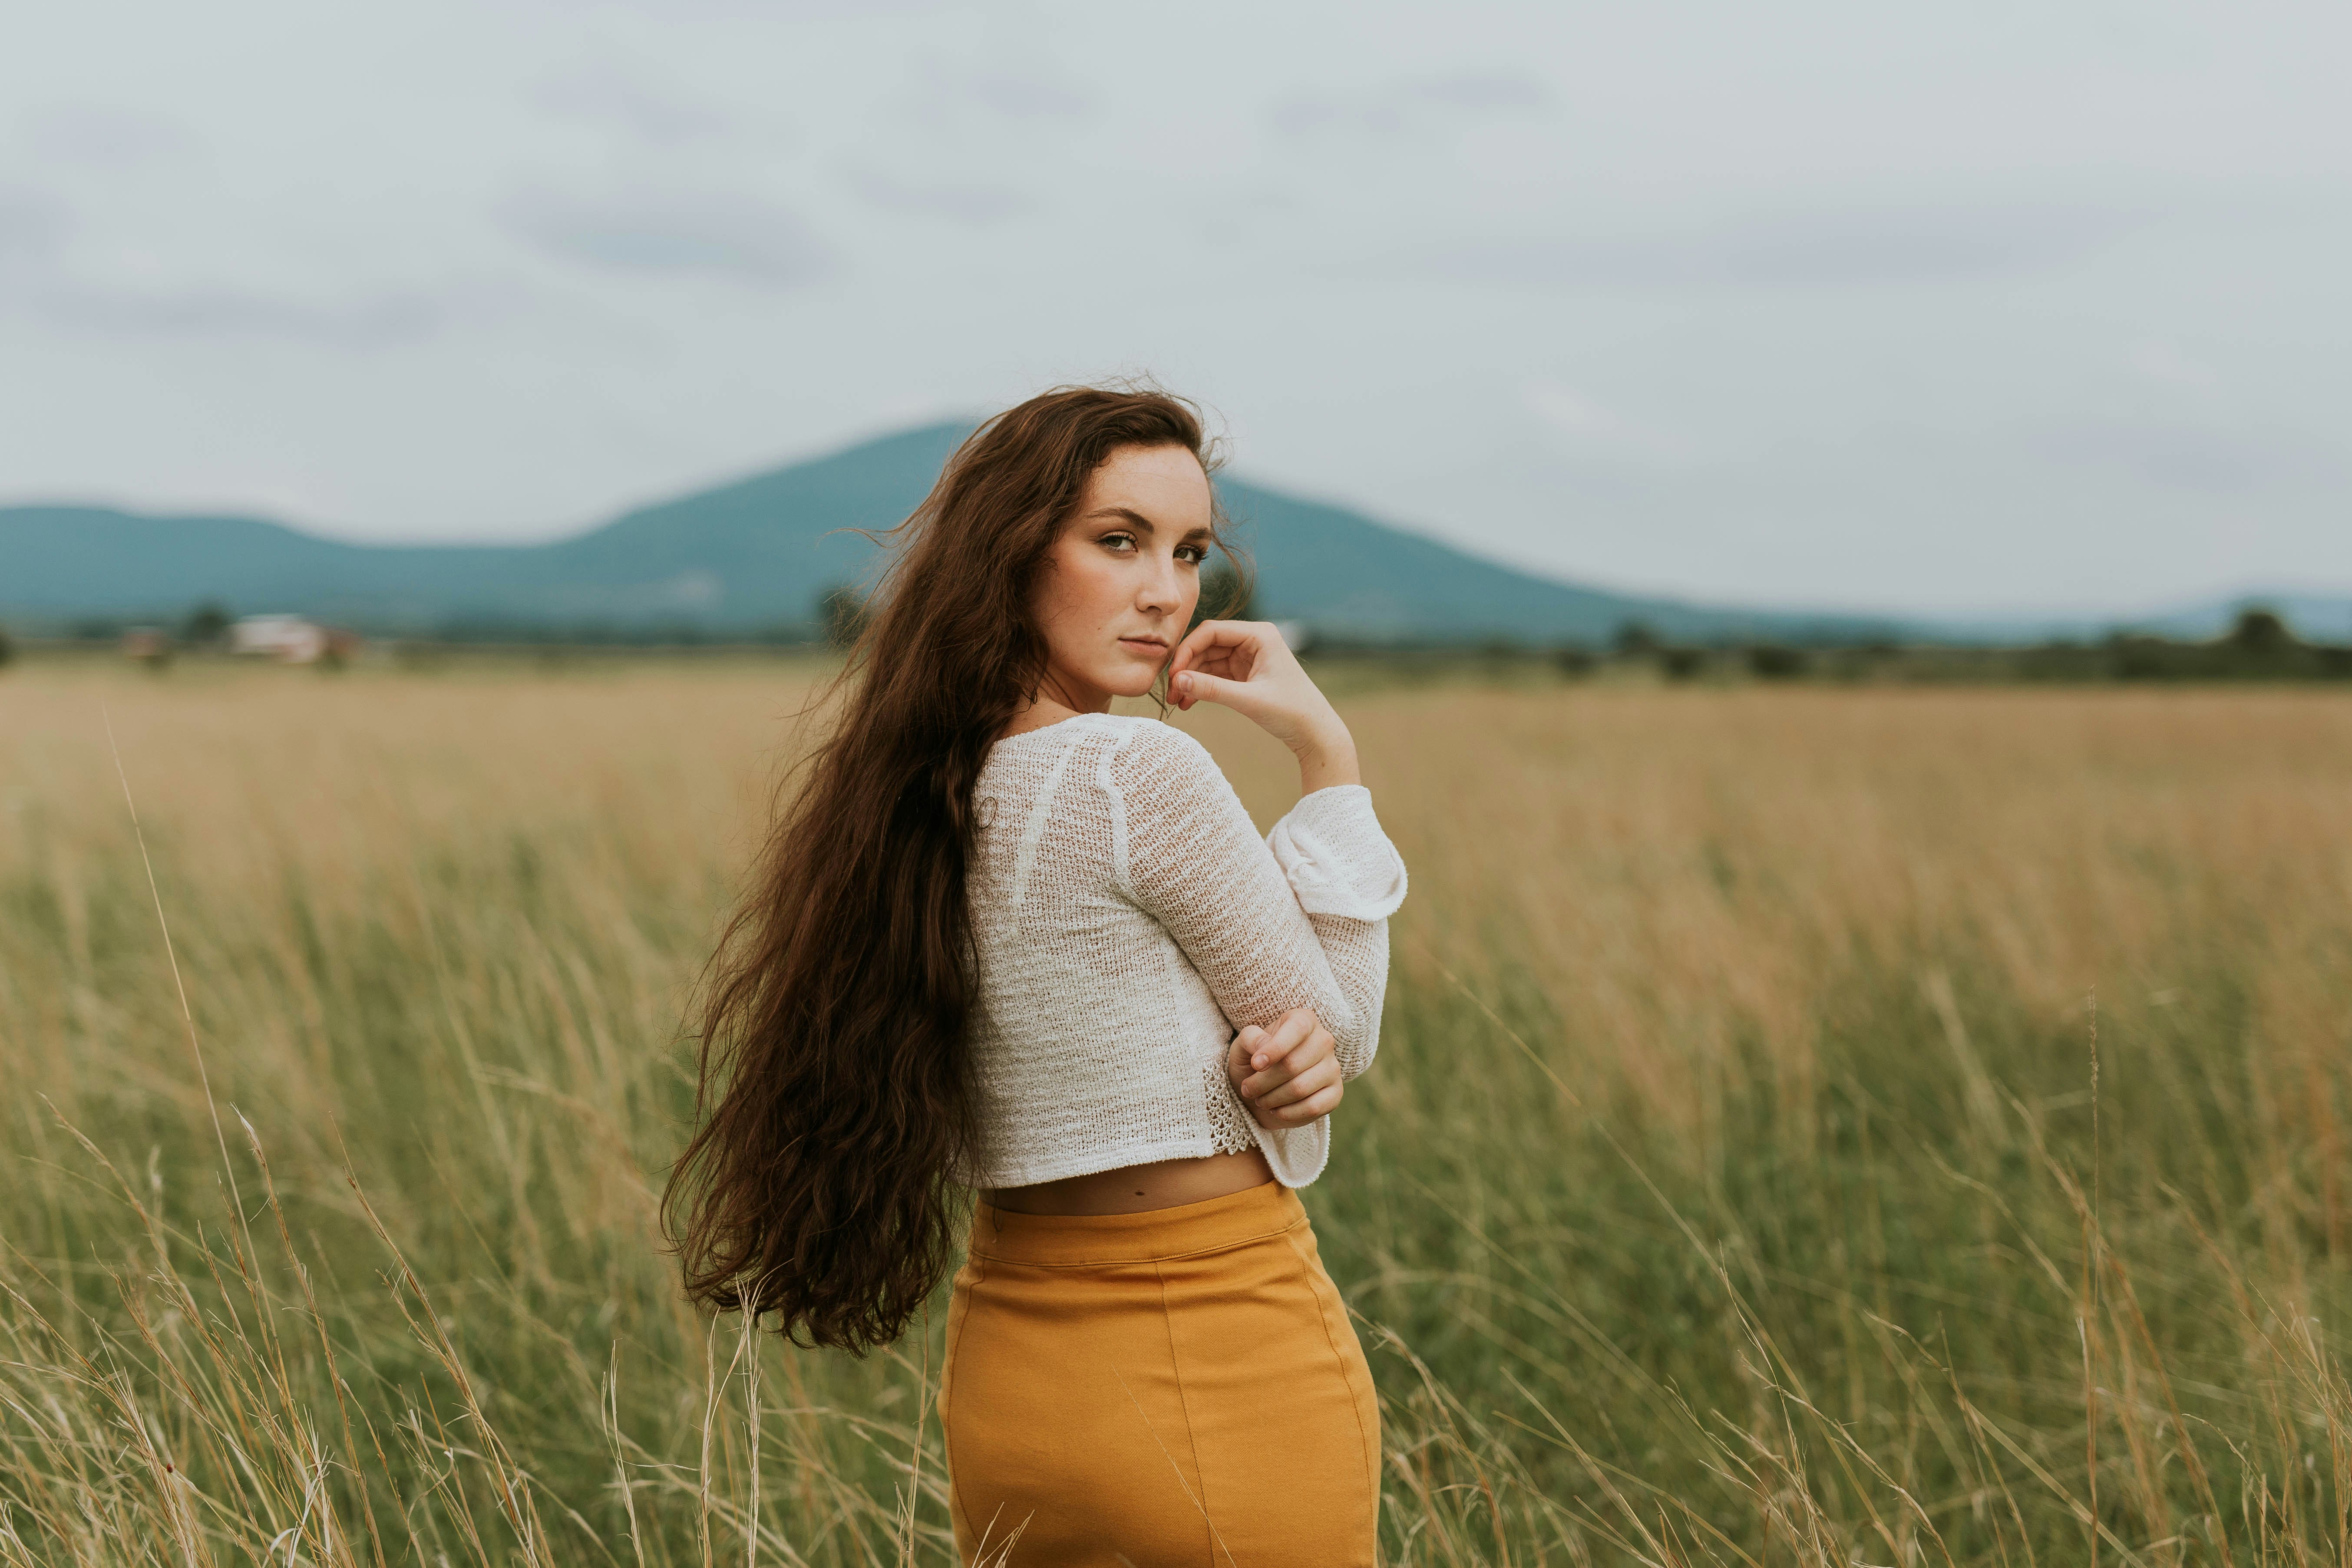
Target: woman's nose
1161 590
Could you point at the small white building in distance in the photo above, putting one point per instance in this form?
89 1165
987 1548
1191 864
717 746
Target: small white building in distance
288 639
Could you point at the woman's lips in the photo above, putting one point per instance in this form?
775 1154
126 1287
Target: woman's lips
1144 644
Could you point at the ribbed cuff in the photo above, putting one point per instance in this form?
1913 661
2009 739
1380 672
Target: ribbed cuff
1298 1154
1330 847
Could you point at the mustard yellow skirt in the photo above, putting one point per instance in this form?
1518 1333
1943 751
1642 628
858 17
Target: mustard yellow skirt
1177 1387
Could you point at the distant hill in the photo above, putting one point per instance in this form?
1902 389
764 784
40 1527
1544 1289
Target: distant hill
755 555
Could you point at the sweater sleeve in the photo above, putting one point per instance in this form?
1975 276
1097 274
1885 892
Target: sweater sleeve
1298 918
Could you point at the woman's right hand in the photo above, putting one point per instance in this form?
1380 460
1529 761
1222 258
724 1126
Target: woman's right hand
1289 1075
1246 666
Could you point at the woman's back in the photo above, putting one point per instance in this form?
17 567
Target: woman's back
1127 918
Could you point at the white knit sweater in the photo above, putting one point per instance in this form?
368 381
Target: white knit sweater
1128 920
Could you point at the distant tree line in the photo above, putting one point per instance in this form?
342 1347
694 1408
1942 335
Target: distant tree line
835 616
2259 646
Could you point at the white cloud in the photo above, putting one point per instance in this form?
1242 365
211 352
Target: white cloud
364 320
1408 103
978 204
1857 243
659 114
741 237
1592 427
95 136
33 223
2165 364
2177 455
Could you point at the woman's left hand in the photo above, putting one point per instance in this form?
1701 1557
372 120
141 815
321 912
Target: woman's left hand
1289 1075
1246 666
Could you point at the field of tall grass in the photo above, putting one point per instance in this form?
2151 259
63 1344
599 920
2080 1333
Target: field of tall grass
1820 1126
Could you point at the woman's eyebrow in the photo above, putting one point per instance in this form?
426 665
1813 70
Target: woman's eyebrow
1143 524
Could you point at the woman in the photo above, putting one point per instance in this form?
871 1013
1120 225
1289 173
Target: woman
1003 939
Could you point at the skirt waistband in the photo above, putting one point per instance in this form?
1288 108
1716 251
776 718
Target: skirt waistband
1069 1240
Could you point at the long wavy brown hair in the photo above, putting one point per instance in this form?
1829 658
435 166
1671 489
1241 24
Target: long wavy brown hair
835 1110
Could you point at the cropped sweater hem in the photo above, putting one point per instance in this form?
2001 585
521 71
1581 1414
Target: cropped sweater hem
1296 1155
1128 919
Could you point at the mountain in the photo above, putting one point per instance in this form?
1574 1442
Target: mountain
1344 573
756 555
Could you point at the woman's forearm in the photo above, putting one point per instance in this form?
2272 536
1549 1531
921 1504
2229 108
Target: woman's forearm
1327 758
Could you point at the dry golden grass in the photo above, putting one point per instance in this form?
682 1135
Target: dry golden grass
1733 1184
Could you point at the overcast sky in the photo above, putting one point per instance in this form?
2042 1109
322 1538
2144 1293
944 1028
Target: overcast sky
2028 306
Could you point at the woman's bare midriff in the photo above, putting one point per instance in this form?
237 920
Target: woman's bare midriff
1136 1189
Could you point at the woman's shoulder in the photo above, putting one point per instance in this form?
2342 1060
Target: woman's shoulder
1050 740
1137 732
1131 749
1161 746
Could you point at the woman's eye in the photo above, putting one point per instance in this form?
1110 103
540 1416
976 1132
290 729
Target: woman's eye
1116 540
1192 553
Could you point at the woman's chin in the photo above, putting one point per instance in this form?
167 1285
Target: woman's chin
1135 681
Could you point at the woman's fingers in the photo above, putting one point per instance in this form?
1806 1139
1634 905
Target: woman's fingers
1316 1048
1195 686
1237 1055
1301 1086
1281 1118
1224 642
1290 1031
1260 1083
1322 1102
1221 661
1254 701
1296 1069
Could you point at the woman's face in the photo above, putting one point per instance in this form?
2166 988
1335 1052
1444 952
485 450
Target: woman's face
1118 583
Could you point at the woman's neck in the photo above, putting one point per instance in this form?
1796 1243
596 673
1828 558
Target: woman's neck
1052 702
1042 712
